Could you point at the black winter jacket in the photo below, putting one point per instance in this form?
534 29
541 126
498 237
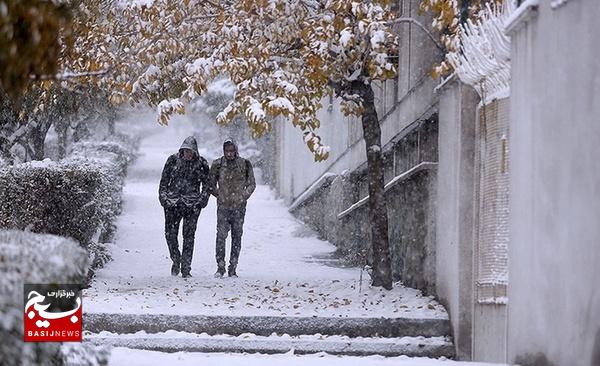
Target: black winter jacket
185 183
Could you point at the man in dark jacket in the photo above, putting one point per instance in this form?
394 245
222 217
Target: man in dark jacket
183 192
232 182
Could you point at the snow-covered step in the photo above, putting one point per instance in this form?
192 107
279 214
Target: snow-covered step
266 325
174 341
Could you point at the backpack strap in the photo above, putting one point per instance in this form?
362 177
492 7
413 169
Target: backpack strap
218 172
247 169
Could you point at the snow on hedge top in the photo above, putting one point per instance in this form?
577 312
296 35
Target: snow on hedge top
40 258
36 166
46 163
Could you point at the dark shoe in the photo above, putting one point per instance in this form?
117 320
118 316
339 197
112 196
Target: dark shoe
174 269
220 272
186 275
231 272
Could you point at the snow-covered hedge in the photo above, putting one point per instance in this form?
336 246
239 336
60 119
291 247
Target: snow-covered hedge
50 197
84 354
111 159
78 197
32 258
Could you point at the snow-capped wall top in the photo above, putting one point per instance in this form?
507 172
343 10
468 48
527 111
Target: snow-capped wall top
483 58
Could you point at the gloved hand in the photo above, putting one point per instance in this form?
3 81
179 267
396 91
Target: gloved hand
203 201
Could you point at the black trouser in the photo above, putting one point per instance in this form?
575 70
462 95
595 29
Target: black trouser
229 219
173 217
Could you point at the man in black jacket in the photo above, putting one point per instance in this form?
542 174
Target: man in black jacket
183 192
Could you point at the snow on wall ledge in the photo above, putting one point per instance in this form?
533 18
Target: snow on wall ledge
482 59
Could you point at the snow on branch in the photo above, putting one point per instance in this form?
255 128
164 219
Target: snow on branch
168 107
483 56
70 75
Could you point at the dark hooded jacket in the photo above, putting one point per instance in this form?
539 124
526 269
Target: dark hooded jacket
232 181
185 183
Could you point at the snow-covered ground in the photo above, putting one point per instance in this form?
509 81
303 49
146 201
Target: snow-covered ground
183 336
128 357
173 341
284 269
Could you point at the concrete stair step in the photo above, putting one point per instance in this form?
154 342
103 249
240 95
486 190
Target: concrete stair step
266 325
173 341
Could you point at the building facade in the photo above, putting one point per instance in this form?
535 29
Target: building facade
493 198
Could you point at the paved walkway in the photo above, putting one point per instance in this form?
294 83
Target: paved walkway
291 297
284 269
127 357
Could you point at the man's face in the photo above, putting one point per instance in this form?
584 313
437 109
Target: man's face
229 151
188 154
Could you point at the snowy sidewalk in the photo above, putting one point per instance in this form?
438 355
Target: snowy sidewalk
291 294
127 357
284 269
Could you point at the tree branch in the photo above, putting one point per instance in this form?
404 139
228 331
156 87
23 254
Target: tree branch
420 25
70 75
347 89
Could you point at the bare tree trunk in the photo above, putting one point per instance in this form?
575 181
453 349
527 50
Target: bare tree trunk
382 270
5 150
62 129
111 125
9 123
112 118
37 136
37 144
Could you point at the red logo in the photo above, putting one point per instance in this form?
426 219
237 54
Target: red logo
52 313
